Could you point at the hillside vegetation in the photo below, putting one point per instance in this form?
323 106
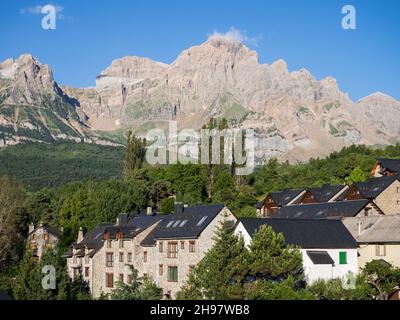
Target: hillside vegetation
52 165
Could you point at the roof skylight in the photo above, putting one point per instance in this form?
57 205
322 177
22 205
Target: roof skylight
201 221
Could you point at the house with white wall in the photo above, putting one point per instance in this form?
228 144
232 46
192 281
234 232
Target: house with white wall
328 249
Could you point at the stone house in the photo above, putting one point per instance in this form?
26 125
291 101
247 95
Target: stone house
41 239
383 191
179 242
328 249
275 200
386 167
105 254
378 238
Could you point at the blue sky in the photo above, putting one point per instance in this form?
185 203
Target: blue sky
307 34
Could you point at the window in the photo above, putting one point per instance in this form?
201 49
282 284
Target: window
172 250
46 236
342 257
129 256
173 274
398 189
145 256
109 259
398 202
86 259
129 278
109 280
160 269
33 236
183 223
380 250
169 224
191 267
192 246
108 244
121 257
201 221
121 277
176 223
49 246
86 271
160 247
121 243
182 245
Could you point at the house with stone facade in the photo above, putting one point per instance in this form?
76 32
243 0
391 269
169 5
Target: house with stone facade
41 239
383 191
328 249
105 255
378 238
386 167
275 200
179 242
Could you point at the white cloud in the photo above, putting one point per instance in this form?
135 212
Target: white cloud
38 10
235 35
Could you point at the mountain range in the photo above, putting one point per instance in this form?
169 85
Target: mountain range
295 116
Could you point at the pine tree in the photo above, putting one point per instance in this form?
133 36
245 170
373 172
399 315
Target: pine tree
139 289
271 258
357 175
135 154
221 273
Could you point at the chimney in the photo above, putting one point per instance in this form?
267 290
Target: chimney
178 208
359 224
149 211
31 228
122 219
80 235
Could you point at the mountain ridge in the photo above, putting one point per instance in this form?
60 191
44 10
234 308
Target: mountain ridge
295 115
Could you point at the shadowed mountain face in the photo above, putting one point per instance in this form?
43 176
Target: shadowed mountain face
295 116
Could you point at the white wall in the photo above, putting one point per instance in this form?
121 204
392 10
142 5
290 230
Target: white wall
314 272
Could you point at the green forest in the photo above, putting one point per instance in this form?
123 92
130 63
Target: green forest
80 185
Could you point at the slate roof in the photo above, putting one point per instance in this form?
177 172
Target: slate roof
186 225
306 233
322 210
51 230
371 188
93 239
392 165
375 229
326 192
5 296
282 198
320 257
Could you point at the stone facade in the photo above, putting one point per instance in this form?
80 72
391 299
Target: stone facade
41 239
108 263
389 200
162 261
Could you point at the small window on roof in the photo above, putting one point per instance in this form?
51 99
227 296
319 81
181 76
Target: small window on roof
183 223
170 223
201 221
176 223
